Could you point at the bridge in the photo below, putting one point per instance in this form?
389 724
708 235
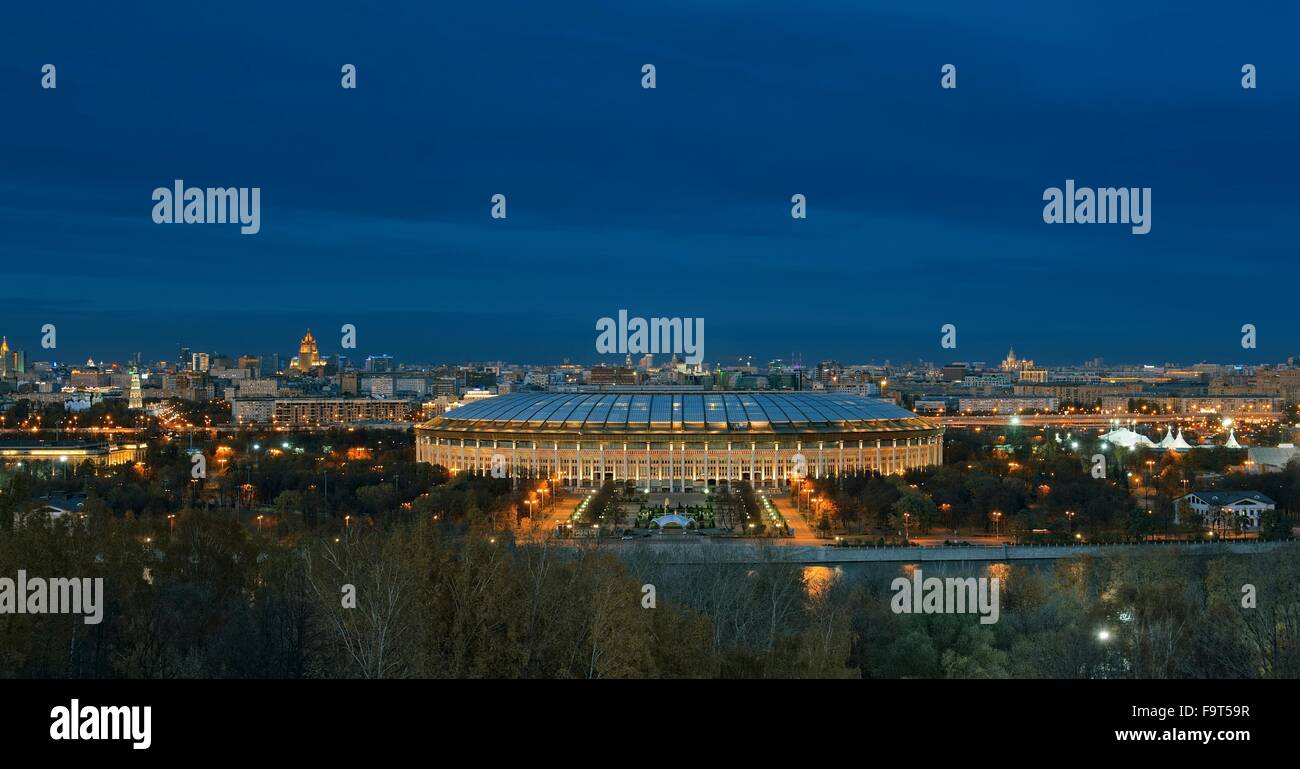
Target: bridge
1091 420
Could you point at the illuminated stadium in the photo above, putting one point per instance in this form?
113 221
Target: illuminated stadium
679 441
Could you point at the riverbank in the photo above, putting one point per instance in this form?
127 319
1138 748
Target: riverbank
716 551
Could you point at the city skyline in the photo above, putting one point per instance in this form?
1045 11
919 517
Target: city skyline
795 360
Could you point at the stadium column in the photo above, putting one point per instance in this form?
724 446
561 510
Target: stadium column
877 467
670 467
860 456
625 461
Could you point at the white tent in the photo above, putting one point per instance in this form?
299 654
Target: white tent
1232 441
1180 444
1167 442
1127 438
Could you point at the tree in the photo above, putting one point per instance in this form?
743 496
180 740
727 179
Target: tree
919 508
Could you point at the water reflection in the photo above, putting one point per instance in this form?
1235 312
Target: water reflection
818 579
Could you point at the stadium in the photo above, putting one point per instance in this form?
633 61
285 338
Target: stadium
673 441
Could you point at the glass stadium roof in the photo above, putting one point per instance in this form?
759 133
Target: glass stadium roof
642 411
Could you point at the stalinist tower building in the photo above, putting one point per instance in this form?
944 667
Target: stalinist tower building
308 355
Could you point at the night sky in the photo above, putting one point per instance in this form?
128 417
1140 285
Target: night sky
924 204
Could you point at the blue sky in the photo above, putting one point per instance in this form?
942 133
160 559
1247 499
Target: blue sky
925 205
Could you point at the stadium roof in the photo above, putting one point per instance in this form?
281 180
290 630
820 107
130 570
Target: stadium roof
783 411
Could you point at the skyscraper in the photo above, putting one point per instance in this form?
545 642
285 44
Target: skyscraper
308 355
137 397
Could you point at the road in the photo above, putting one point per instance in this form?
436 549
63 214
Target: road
1089 420
804 534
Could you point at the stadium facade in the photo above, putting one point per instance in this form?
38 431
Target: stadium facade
679 441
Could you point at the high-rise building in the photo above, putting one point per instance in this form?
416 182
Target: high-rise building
1012 363
200 361
137 397
379 364
308 355
11 361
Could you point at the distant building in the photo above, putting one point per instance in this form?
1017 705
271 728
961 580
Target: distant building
308 359
382 387
308 412
254 410
379 364
1007 404
258 388
607 375
101 453
1224 509
12 362
955 372
136 401
1011 363
350 382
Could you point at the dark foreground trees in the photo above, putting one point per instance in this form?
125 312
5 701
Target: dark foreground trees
424 598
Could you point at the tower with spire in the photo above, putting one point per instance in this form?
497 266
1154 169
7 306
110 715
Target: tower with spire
11 361
308 355
136 401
